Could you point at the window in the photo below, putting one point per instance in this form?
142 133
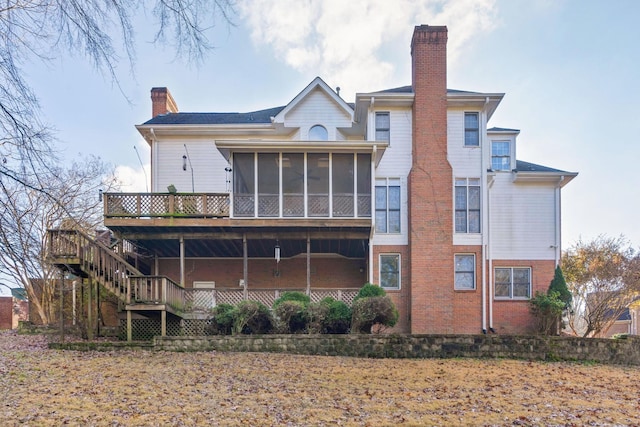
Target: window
388 205
465 272
513 283
471 130
382 126
390 271
500 156
467 205
318 133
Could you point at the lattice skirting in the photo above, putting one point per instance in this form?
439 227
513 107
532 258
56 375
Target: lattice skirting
146 329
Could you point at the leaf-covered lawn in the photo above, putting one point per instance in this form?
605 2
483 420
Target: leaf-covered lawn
47 387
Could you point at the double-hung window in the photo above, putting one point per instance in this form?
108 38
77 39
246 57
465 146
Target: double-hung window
471 130
388 205
512 283
500 156
383 124
467 204
390 271
465 272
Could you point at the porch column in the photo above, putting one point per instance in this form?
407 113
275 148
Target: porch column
182 261
308 265
245 266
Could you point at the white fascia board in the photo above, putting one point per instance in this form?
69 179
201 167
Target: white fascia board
485 101
559 178
264 146
148 131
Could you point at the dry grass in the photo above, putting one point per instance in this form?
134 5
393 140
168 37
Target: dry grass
46 387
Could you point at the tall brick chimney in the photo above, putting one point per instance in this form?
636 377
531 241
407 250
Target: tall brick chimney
430 187
162 102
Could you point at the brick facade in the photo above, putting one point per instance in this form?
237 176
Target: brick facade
430 188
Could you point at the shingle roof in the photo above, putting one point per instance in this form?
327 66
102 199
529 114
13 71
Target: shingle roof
522 166
257 117
409 89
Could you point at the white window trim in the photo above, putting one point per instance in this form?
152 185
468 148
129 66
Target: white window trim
508 169
399 270
511 297
464 129
474 272
388 182
467 185
376 128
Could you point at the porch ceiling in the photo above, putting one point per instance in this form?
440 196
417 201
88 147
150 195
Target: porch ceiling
223 242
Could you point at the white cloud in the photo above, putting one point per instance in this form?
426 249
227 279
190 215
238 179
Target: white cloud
360 44
133 180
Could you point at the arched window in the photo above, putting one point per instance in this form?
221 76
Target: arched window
318 133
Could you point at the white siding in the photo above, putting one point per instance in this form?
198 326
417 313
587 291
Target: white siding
207 162
317 108
396 163
522 219
465 161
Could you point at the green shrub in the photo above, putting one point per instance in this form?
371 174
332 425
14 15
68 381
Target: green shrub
292 296
369 290
547 309
370 311
559 285
252 317
317 313
328 317
222 319
338 317
292 316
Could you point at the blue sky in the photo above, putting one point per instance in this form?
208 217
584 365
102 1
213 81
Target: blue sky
568 67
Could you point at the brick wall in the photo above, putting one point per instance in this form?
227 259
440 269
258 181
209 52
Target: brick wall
430 188
6 312
333 272
513 316
402 297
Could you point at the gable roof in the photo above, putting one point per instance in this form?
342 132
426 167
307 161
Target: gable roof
316 83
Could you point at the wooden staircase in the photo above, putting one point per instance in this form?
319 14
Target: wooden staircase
79 254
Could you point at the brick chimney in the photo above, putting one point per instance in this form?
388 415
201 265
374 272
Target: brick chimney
162 102
430 187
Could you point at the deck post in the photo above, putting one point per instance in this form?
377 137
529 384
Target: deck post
129 331
182 261
308 265
163 323
245 266
89 308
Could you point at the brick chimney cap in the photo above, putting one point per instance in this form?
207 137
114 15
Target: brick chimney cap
431 28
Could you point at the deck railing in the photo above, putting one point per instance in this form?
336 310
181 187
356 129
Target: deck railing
216 205
155 290
154 205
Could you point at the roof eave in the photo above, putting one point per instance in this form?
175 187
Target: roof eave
560 178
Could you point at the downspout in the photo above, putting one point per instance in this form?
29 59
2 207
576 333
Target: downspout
182 261
557 228
489 258
154 150
485 220
372 208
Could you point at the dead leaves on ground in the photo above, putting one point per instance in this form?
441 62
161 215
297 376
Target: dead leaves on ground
45 387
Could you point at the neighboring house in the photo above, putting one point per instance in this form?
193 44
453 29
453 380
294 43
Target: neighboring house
407 188
13 309
626 323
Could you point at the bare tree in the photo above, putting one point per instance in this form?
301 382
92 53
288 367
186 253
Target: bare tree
604 278
27 214
41 30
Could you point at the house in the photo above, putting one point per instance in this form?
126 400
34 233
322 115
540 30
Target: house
406 187
13 309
